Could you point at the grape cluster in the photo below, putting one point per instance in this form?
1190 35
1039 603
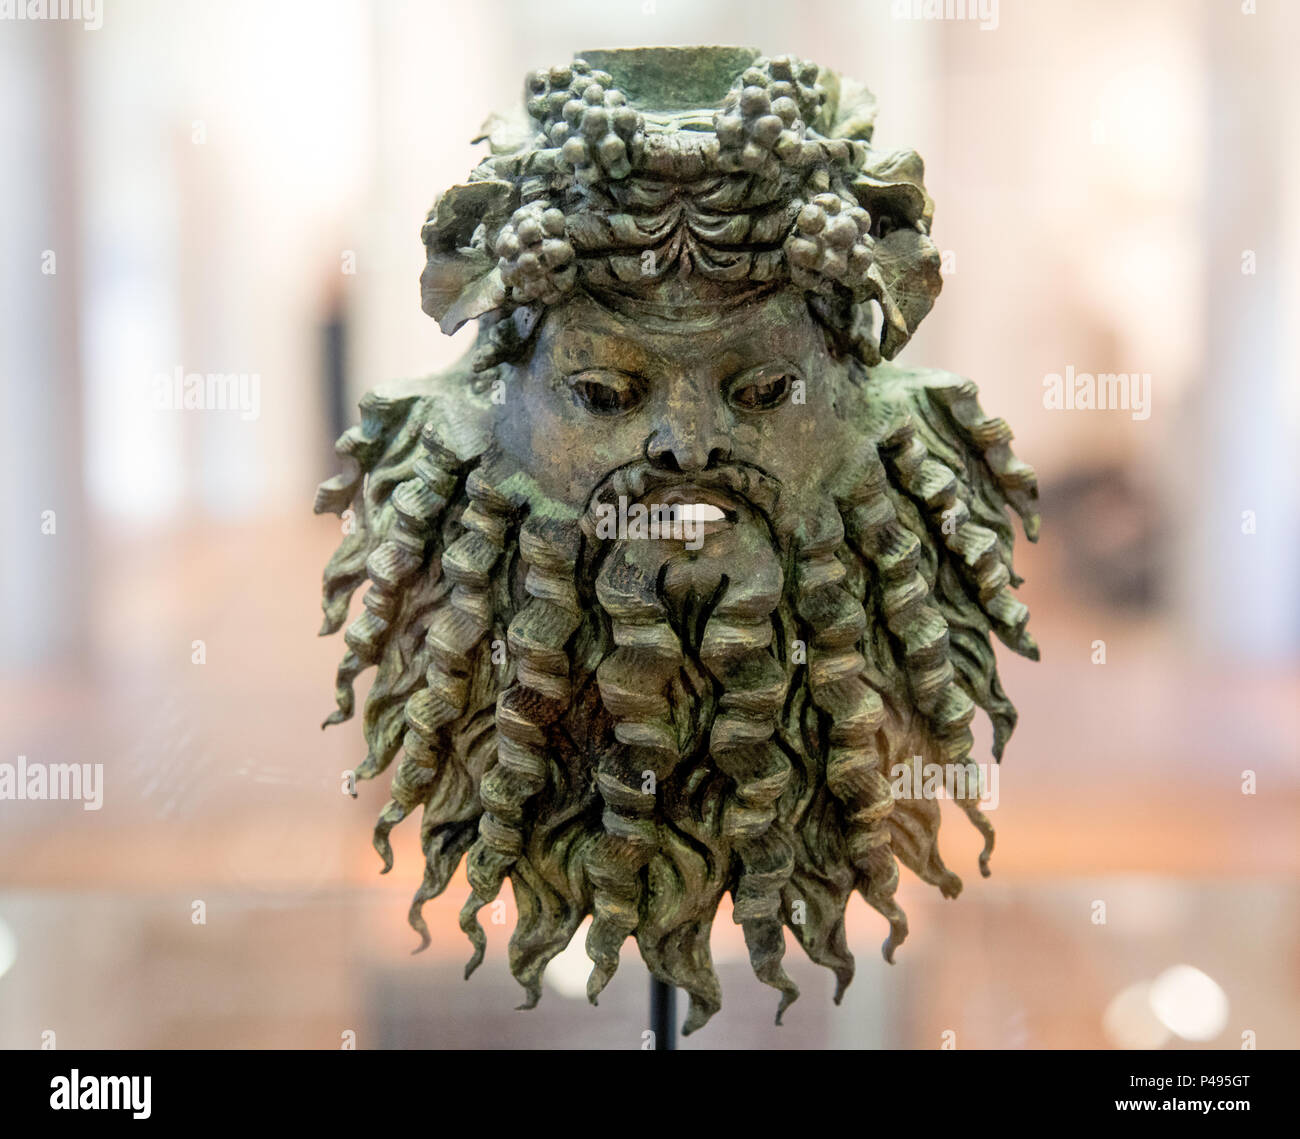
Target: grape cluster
830 244
536 262
761 125
586 118
547 89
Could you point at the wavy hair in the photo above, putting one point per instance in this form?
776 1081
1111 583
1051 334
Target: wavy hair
637 754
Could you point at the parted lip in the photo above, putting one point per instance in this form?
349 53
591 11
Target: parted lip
685 494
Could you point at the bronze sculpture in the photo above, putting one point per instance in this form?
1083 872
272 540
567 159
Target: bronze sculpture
672 571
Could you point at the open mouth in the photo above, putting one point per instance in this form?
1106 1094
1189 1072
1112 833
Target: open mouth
698 511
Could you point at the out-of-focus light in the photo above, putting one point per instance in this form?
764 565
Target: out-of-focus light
567 973
1189 1003
8 948
1130 1022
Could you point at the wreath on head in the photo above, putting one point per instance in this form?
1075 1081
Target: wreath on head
618 186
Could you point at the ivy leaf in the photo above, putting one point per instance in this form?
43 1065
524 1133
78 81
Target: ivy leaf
461 280
457 287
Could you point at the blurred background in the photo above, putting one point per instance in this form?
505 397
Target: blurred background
239 187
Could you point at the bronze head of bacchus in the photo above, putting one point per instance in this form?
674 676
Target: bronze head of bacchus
672 573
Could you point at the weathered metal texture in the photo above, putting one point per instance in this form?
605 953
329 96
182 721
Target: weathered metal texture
673 579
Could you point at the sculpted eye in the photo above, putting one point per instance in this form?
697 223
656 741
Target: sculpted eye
605 393
763 393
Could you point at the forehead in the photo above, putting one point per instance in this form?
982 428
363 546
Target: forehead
585 332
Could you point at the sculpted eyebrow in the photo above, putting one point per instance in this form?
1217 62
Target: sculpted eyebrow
580 350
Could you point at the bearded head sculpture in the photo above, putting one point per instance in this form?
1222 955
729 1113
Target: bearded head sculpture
673 571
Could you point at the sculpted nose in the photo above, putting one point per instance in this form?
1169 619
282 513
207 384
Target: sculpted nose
688 439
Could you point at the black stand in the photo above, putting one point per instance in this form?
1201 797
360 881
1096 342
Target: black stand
663 1015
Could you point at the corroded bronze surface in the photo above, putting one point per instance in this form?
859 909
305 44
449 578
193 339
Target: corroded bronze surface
672 577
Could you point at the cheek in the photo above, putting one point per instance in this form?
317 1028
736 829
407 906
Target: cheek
570 450
798 442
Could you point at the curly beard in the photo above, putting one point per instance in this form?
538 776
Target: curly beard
630 729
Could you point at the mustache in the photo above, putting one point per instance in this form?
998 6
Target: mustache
742 483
